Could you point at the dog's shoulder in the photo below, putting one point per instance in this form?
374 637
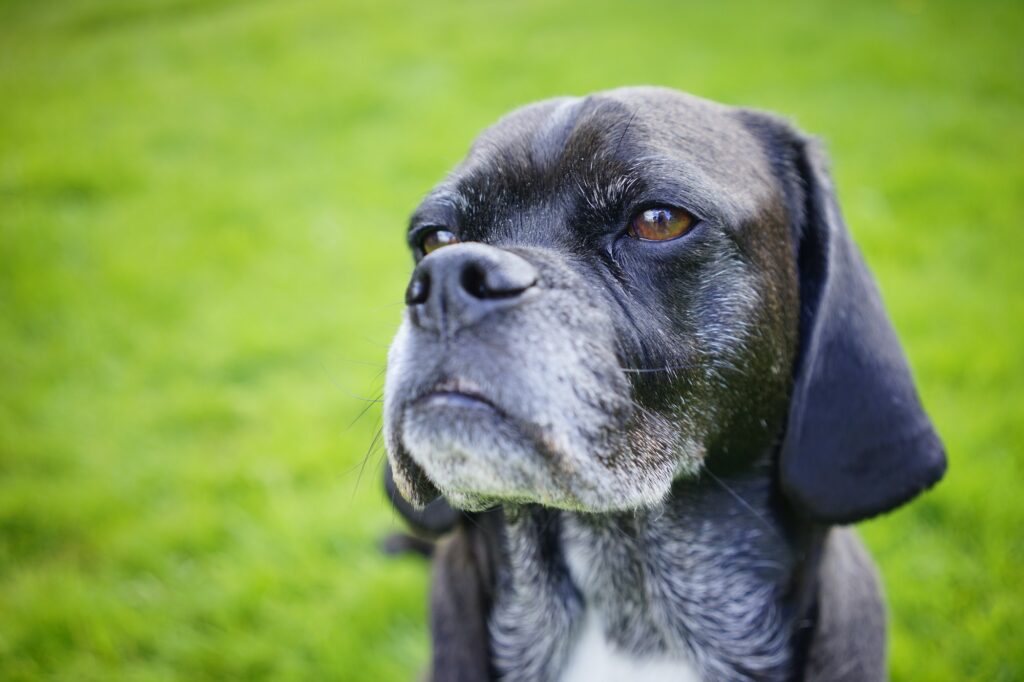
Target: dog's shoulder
848 641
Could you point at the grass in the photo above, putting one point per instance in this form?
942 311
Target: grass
201 263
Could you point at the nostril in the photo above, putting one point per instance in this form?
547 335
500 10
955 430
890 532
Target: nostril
474 281
487 281
418 289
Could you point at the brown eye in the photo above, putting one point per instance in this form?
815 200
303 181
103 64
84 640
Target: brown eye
660 224
435 239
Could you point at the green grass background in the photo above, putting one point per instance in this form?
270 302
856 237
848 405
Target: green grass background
201 263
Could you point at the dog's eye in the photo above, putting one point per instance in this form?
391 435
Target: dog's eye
660 224
436 238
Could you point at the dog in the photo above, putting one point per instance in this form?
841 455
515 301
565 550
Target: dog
643 382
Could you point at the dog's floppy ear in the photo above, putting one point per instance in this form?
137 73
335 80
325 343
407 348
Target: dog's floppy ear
430 520
857 442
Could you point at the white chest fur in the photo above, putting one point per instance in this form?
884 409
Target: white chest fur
593 659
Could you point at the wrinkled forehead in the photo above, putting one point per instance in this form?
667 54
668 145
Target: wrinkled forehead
597 147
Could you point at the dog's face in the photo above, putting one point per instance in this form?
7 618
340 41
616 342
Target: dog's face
605 296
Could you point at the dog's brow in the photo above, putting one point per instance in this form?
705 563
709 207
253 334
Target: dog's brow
448 198
438 204
549 141
603 194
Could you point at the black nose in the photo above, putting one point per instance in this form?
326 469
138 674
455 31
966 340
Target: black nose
458 285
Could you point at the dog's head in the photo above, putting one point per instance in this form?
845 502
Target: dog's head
611 292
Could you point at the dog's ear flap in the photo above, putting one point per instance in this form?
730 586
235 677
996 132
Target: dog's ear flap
430 518
858 442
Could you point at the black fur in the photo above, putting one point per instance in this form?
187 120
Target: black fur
661 433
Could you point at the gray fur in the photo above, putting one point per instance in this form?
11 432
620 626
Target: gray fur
698 578
608 412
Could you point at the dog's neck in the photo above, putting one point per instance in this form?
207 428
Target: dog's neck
709 578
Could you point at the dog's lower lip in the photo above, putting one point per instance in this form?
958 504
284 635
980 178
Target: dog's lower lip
456 399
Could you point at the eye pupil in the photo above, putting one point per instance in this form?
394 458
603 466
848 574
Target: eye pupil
660 224
436 238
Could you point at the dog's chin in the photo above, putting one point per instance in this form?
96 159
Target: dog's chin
475 455
479 457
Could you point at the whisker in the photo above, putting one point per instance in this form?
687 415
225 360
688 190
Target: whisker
376 343
383 306
337 384
549 523
366 363
615 527
626 129
746 505
362 466
370 403
470 518
651 370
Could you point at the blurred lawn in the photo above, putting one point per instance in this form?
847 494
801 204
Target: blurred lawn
201 263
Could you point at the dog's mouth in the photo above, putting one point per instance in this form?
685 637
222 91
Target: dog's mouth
457 395
471 448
